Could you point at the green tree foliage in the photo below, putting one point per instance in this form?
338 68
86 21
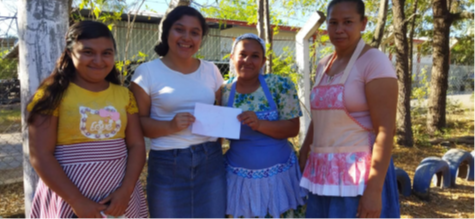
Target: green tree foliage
114 10
463 52
110 12
240 11
245 10
8 67
233 10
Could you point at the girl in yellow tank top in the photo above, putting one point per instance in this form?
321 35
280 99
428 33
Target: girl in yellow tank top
85 139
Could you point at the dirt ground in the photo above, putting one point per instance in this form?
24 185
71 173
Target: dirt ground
444 203
455 202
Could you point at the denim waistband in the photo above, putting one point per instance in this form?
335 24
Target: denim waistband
206 147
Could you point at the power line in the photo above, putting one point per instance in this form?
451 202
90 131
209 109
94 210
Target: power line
9 26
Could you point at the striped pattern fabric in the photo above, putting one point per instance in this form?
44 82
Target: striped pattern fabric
97 169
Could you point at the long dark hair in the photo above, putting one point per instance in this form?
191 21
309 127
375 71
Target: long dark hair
165 25
64 72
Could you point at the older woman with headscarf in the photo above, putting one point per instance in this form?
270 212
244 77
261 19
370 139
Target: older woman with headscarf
263 174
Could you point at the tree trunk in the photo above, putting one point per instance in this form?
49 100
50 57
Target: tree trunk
411 39
382 15
404 125
440 67
42 27
268 35
260 19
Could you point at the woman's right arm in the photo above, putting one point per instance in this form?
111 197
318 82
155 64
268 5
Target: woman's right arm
154 128
42 144
305 149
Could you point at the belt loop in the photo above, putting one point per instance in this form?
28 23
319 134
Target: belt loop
175 154
205 149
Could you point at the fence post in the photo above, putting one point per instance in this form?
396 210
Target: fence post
303 66
42 25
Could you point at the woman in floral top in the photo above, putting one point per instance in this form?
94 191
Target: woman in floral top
282 91
263 175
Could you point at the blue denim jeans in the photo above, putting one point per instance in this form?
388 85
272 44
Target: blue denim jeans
187 182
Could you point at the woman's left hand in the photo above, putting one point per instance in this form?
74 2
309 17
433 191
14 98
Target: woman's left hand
370 204
119 200
249 118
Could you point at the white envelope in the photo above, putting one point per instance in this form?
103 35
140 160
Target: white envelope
216 121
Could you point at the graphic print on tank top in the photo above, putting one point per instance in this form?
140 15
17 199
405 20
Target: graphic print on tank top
99 123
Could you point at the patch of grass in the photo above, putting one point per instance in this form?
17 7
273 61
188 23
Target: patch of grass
10 120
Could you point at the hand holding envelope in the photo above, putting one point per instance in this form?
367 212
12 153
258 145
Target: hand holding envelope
216 121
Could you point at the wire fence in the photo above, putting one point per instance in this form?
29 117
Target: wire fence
10 117
11 153
135 49
461 78
216 46
138 48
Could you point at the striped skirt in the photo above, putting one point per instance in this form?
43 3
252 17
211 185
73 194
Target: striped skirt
97 169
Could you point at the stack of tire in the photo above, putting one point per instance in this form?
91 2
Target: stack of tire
442 172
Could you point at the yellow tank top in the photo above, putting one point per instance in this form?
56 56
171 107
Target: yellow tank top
87 116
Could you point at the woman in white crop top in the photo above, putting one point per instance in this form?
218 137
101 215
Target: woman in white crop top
186 175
